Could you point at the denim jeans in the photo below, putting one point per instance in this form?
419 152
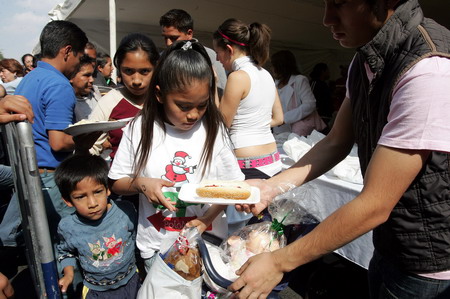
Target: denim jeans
10 230
148 263
6 177
386 280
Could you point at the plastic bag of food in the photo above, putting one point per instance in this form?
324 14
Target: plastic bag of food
183 257
177 273
292 207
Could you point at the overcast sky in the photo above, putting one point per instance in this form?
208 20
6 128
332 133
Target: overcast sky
21 24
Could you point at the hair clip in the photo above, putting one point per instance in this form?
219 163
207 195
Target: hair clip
187 45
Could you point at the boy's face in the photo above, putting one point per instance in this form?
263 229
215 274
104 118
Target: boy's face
171 35
90 199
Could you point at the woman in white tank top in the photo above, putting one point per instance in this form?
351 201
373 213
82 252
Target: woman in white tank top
250 103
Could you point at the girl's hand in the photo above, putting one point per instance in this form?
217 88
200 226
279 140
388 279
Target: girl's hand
204 221
201 223
151 188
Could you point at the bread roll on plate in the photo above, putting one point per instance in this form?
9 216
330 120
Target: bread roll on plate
224 189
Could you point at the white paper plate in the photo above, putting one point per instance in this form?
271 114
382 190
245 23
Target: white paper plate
188 194
97 126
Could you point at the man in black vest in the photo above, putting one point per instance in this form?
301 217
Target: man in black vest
396 111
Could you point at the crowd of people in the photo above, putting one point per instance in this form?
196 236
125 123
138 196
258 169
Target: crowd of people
198 113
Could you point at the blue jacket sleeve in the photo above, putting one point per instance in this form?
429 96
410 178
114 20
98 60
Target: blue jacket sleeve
65 252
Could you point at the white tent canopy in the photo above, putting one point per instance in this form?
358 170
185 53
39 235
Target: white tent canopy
296 24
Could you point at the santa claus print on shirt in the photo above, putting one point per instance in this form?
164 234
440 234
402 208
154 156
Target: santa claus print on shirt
177 169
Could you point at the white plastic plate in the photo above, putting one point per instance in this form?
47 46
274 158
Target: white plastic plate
188 194
97 126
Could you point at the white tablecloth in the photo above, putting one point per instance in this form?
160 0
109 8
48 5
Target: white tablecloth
333 193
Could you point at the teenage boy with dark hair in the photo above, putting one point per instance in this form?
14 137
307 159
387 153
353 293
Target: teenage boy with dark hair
396 110
177 24
101 234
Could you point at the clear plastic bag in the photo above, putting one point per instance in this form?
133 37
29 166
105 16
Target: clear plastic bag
292 207
175 274
183 256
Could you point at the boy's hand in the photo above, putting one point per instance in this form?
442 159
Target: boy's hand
6 289
65 282
151 188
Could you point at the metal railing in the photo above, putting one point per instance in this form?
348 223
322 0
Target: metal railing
41 261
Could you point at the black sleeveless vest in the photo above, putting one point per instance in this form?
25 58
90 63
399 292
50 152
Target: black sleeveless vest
417 234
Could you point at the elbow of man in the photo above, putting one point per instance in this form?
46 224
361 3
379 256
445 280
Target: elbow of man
374 210
380 214
60 141
59 146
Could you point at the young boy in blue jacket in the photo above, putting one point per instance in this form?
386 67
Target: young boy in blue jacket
100 234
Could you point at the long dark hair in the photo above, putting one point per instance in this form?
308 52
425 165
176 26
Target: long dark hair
181 64
253 39
284 65
135 42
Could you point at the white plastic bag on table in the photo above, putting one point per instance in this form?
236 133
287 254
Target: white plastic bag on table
177 273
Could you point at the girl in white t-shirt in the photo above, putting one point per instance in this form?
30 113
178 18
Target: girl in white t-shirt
179 137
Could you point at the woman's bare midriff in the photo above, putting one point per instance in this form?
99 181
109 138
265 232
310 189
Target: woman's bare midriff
255 150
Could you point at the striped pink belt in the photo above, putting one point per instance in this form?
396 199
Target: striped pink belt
259 161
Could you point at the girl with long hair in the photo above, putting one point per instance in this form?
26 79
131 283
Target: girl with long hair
178 138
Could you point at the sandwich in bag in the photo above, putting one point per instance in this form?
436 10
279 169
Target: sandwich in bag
177 272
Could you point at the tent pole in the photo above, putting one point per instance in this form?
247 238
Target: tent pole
112 33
